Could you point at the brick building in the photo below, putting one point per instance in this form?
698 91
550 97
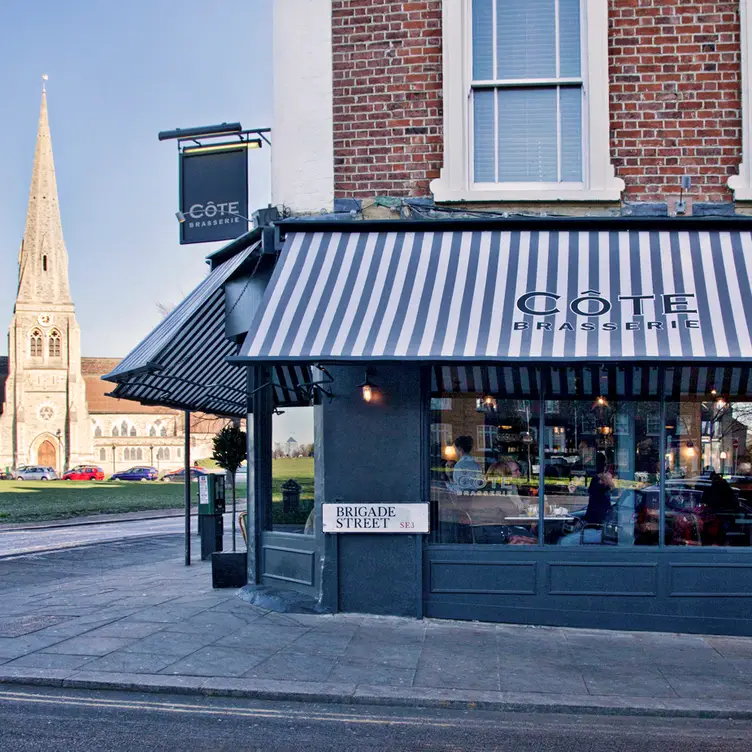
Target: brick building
398 99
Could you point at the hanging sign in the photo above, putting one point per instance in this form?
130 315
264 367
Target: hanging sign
213 190
385 517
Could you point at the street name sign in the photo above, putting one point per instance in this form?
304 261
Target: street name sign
385 517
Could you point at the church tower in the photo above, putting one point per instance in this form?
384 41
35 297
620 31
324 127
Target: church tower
44 419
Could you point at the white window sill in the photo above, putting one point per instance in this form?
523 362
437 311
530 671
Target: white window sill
443 193
741 187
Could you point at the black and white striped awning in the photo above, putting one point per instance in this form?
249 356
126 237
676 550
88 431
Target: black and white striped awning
589 381
183 363
615 294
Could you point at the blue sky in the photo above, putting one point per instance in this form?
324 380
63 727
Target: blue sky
119 72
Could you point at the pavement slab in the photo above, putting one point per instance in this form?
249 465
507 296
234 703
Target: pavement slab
133 617
89 645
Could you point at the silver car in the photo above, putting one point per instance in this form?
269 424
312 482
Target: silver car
35 472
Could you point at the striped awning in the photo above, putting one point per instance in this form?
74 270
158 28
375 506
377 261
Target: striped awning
503 295
183 362
589 381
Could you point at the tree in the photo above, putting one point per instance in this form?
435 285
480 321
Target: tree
229 453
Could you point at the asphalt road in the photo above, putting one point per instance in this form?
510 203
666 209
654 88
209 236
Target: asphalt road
21 542
74 721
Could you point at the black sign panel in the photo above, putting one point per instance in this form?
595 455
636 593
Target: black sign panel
213 187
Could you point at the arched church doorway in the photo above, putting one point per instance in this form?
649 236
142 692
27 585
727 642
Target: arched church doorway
47 455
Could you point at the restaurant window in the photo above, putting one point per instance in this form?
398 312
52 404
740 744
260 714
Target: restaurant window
485 492
708 495
292 508
601 474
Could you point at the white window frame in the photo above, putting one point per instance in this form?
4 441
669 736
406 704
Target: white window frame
741 184
483 434
455 182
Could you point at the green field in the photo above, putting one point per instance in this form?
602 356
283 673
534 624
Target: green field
27 501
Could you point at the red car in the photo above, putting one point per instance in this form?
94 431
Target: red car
84 472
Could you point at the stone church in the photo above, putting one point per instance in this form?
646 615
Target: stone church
55 407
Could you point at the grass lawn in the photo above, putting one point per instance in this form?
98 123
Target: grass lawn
29 501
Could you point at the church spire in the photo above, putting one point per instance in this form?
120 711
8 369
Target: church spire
43 261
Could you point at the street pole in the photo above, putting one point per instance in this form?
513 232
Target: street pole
113 459
187 485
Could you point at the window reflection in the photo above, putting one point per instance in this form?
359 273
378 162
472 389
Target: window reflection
708 473
601 473
601 445
484 477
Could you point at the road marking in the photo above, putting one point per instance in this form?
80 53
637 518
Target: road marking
229 711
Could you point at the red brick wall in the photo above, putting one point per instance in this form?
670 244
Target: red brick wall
387 97
675 85
675 91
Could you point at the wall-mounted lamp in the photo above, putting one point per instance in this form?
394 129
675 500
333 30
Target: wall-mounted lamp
367 388
723 455
489 402
720 403
601 402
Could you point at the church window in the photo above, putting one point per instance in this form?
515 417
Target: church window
152 431
166 454
44 263
123 429
98 432
126 454
163 431
159 454
102 455
54 344
35 342
139 454
115 431
133 430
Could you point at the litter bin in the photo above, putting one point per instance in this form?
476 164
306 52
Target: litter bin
291 496
211 507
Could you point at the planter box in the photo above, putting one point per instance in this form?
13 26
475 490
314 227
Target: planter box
229 570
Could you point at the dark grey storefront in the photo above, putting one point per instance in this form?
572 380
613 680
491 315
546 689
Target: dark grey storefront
600 369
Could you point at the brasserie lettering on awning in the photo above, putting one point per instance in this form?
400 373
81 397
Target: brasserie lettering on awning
502 295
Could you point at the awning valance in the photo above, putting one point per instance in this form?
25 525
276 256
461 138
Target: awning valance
502 295
590 381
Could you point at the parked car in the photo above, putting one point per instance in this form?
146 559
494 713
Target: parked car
178 476
137 473
84 472
5 475
35 472
690 519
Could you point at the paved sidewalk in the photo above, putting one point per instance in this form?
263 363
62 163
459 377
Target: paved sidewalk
131 616
98 519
